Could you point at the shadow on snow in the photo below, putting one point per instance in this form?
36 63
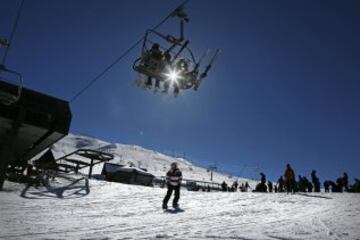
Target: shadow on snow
68 188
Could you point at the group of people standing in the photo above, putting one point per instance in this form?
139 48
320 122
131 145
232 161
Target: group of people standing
286 183
243 187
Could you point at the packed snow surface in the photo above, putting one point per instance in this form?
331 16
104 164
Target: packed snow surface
76 208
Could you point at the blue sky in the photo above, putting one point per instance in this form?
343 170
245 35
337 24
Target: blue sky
285 89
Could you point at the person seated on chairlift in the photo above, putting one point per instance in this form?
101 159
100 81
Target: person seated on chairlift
167 60
155 54
182 67
189 78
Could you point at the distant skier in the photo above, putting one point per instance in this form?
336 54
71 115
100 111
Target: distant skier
173 180
300 184
270 186
345 181
315 180
356 186
307 184
244 187
224 186
261 187
327 186
235 186
289 179
280 184
339 185
247 186
262 178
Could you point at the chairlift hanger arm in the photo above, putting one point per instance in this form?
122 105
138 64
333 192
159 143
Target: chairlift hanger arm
179 12
144 48
180 51
169 38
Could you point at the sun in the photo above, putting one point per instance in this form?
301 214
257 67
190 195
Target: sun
173 75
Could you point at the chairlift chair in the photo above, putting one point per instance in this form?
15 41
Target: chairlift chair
179 50
6 97
153 67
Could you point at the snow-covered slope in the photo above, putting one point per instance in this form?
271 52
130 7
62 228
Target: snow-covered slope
156 163
118 211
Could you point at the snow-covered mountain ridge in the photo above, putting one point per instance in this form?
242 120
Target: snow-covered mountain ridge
155 162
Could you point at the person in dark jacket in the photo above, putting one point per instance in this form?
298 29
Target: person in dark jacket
356 186
247 186
224 186
339 185
345 181
270 186
156 54
235 186
315 180
327 186
262 178
301 186
173 180
261 187
290 179
307 184
280 184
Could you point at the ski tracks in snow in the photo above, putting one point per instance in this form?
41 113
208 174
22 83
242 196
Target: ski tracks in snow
119 211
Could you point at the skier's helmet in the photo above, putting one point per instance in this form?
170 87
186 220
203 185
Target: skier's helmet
173 165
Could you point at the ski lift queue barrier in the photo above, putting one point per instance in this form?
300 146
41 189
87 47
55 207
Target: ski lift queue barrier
191 184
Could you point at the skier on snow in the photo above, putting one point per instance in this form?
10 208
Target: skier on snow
173 179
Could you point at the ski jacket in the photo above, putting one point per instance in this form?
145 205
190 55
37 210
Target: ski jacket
174 177
289 174
314 178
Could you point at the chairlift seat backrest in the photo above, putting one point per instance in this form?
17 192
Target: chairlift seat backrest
7 98
12 95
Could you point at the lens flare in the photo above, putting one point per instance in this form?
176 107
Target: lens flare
173 75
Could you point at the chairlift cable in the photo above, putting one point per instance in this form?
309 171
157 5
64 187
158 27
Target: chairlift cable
12 34
126 52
